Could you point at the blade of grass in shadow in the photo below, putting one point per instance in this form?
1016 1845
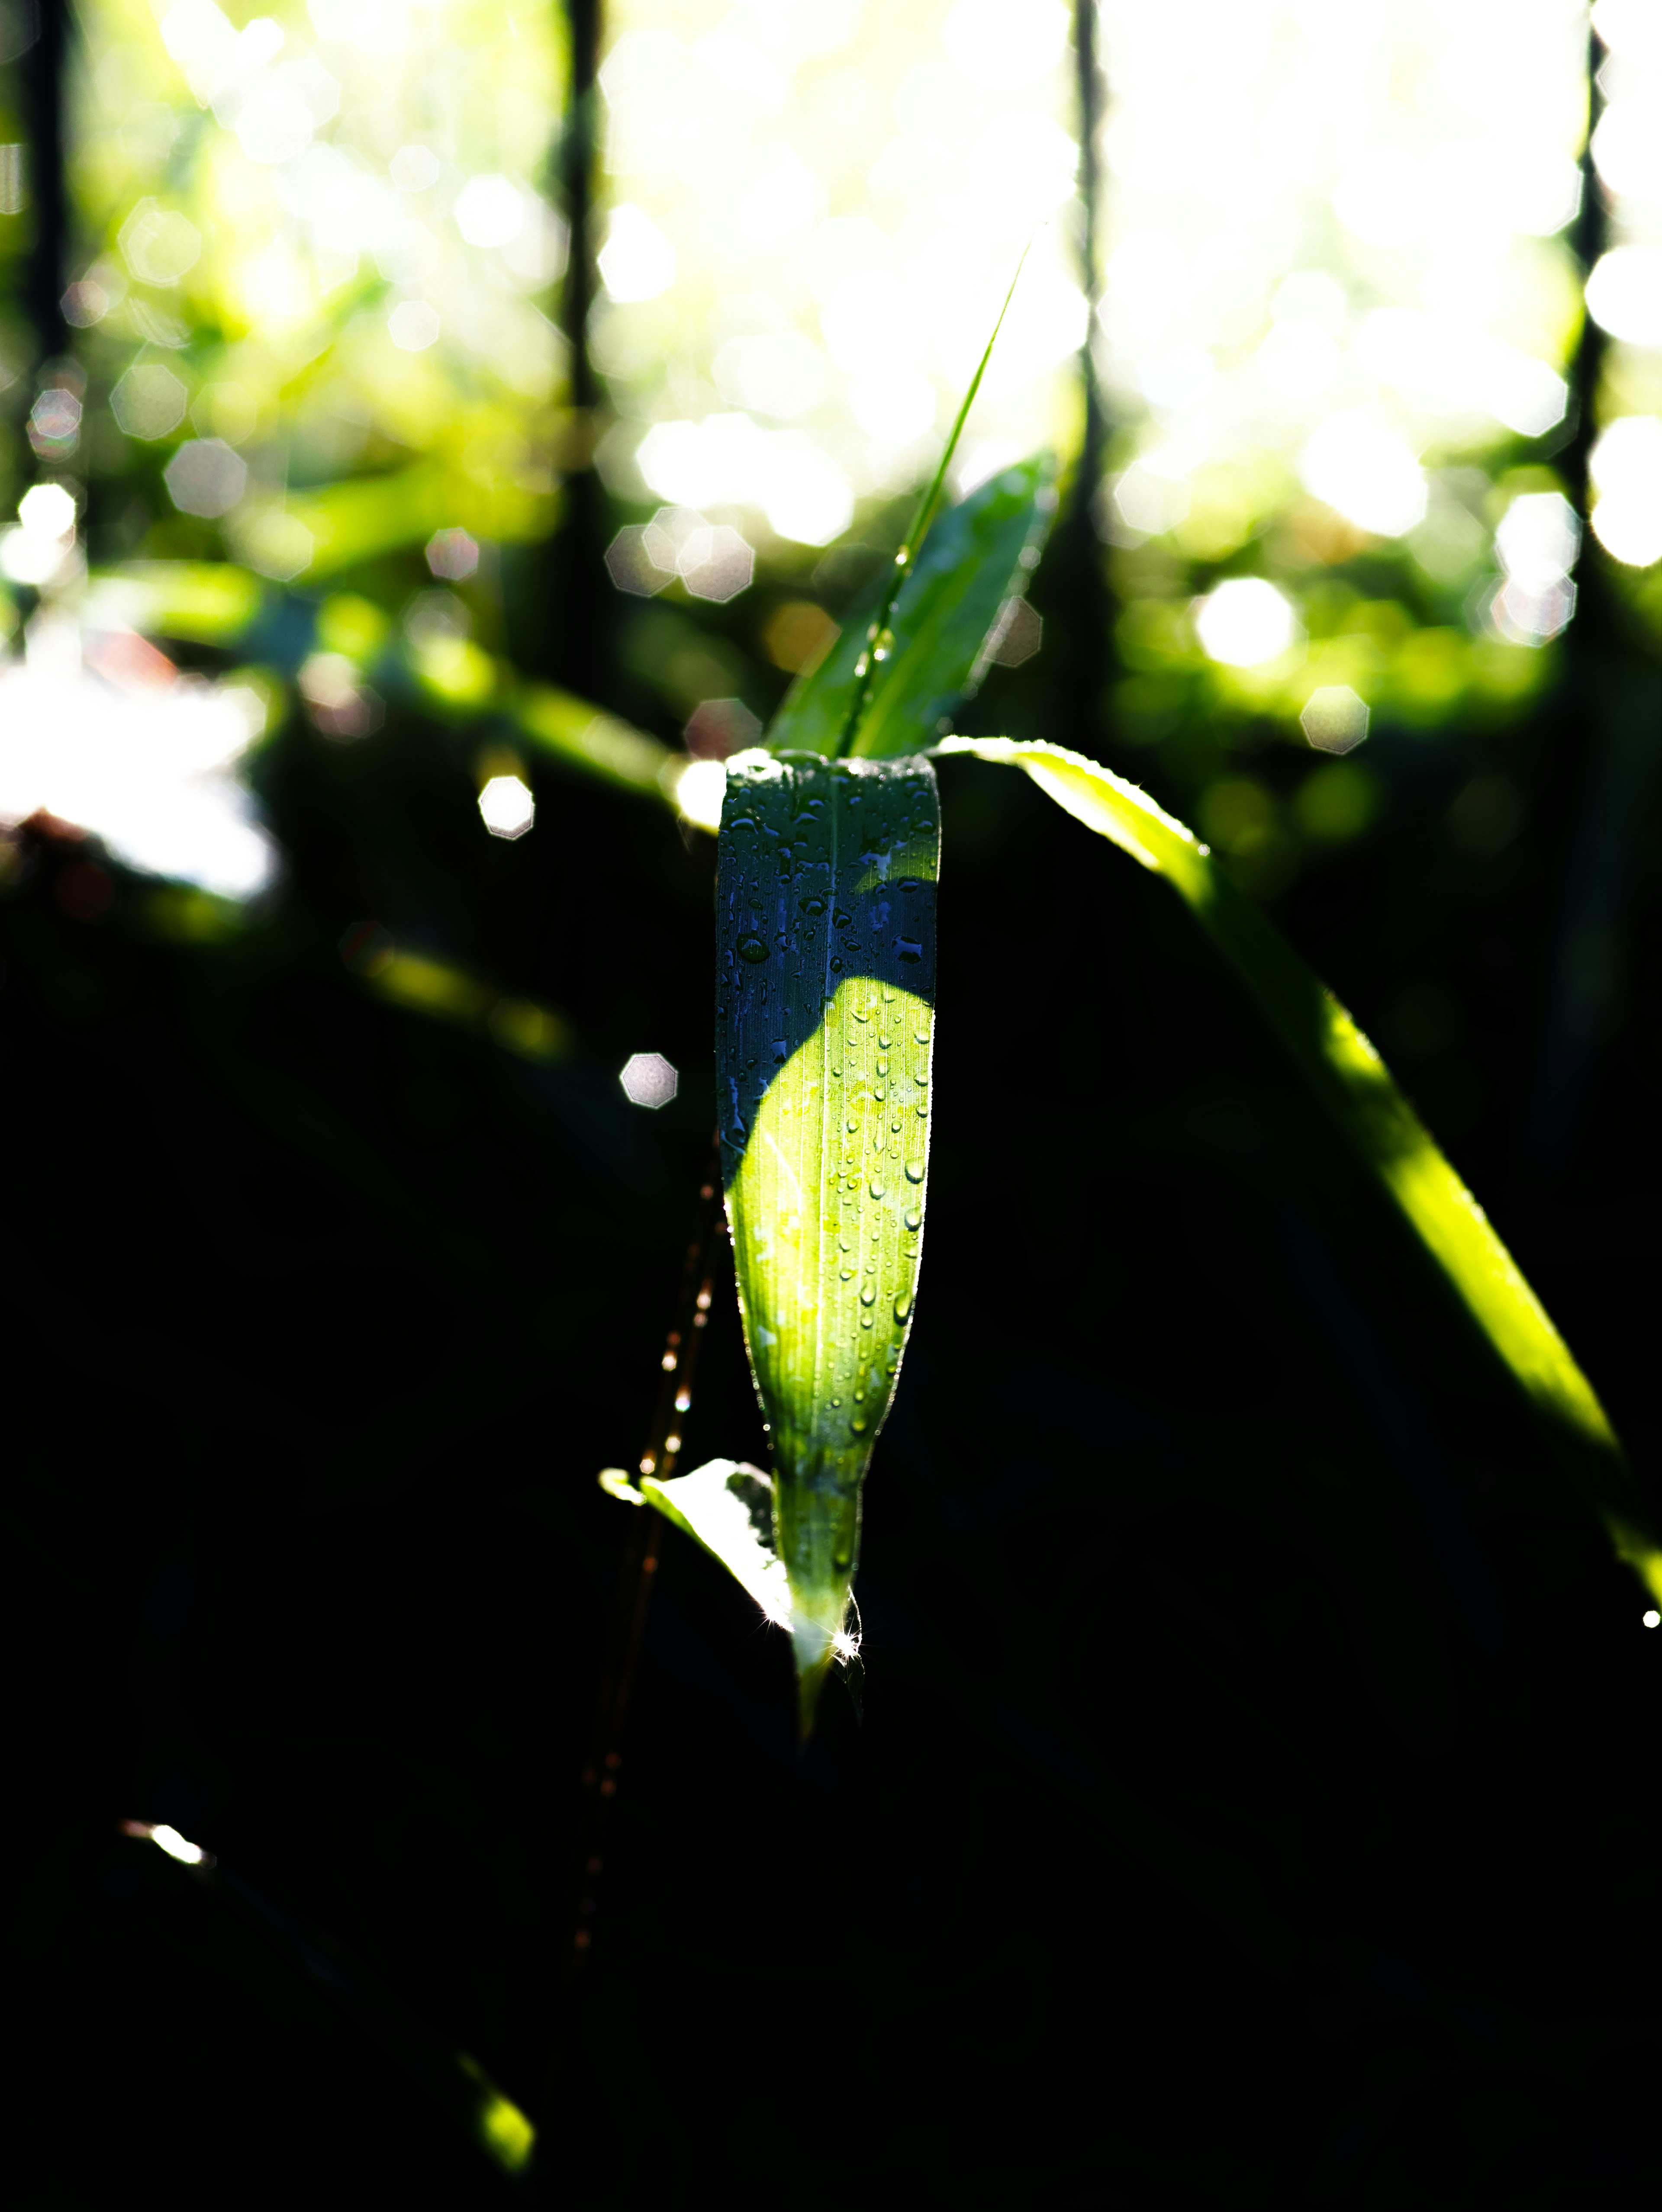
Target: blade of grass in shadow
1358 1093
825 931
456 2084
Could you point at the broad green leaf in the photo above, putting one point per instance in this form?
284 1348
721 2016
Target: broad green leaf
825 954
977 556
1357 1092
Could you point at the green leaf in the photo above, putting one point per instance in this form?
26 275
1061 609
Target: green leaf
1357 1092
727 1506
977 556
825 955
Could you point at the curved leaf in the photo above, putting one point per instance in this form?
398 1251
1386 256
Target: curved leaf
975 557
824 1032
1357 1092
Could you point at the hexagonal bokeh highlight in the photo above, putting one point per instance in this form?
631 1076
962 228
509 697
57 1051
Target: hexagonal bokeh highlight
413 325
631 566
148 401
205 478
1019 633
452 554
1334 719
506 807
158 244
716 564
648 1079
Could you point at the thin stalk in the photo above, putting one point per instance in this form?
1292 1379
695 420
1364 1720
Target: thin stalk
602 1771
876 648
44 72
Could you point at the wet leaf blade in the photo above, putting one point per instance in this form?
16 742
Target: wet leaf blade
824 1031
1358 1093
977 555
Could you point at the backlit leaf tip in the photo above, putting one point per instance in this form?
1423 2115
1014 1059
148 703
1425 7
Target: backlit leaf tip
876 644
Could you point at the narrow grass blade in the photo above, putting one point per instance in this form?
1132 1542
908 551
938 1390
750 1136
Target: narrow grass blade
454 2082
1358 1093
824 1026
901 692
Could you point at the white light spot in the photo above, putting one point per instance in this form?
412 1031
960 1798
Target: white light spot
1367 472
47 510
637 262
1245 622
700 786
176 1847
414 168
1652 1618
1334 719
1000 46
158 244
507 807
648 1079
1624 295
1626 467
413 325
490 210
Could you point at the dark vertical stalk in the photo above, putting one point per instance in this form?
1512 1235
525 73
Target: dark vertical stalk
1589 237
1605 722
602 1772
1080 637
577 628
43 70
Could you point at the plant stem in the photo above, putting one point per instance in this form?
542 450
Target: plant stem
602 1771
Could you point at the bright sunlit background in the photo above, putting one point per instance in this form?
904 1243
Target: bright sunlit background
315 359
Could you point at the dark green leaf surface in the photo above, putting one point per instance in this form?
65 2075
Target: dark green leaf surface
977 557
826 963
1357 1092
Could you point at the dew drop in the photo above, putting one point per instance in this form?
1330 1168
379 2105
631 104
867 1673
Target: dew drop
847 1275
752 948
903 1305
859 1424
882 1044
815 906
913 1217
908 948
868 1296
865 1321
922 1079
882 1064
914 1170
879 1190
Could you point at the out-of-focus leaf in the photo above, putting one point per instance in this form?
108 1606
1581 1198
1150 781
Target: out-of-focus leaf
825 959
580 733
726 1506
216 602
1357 1092
366 516
456 2083
977 557
200 602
